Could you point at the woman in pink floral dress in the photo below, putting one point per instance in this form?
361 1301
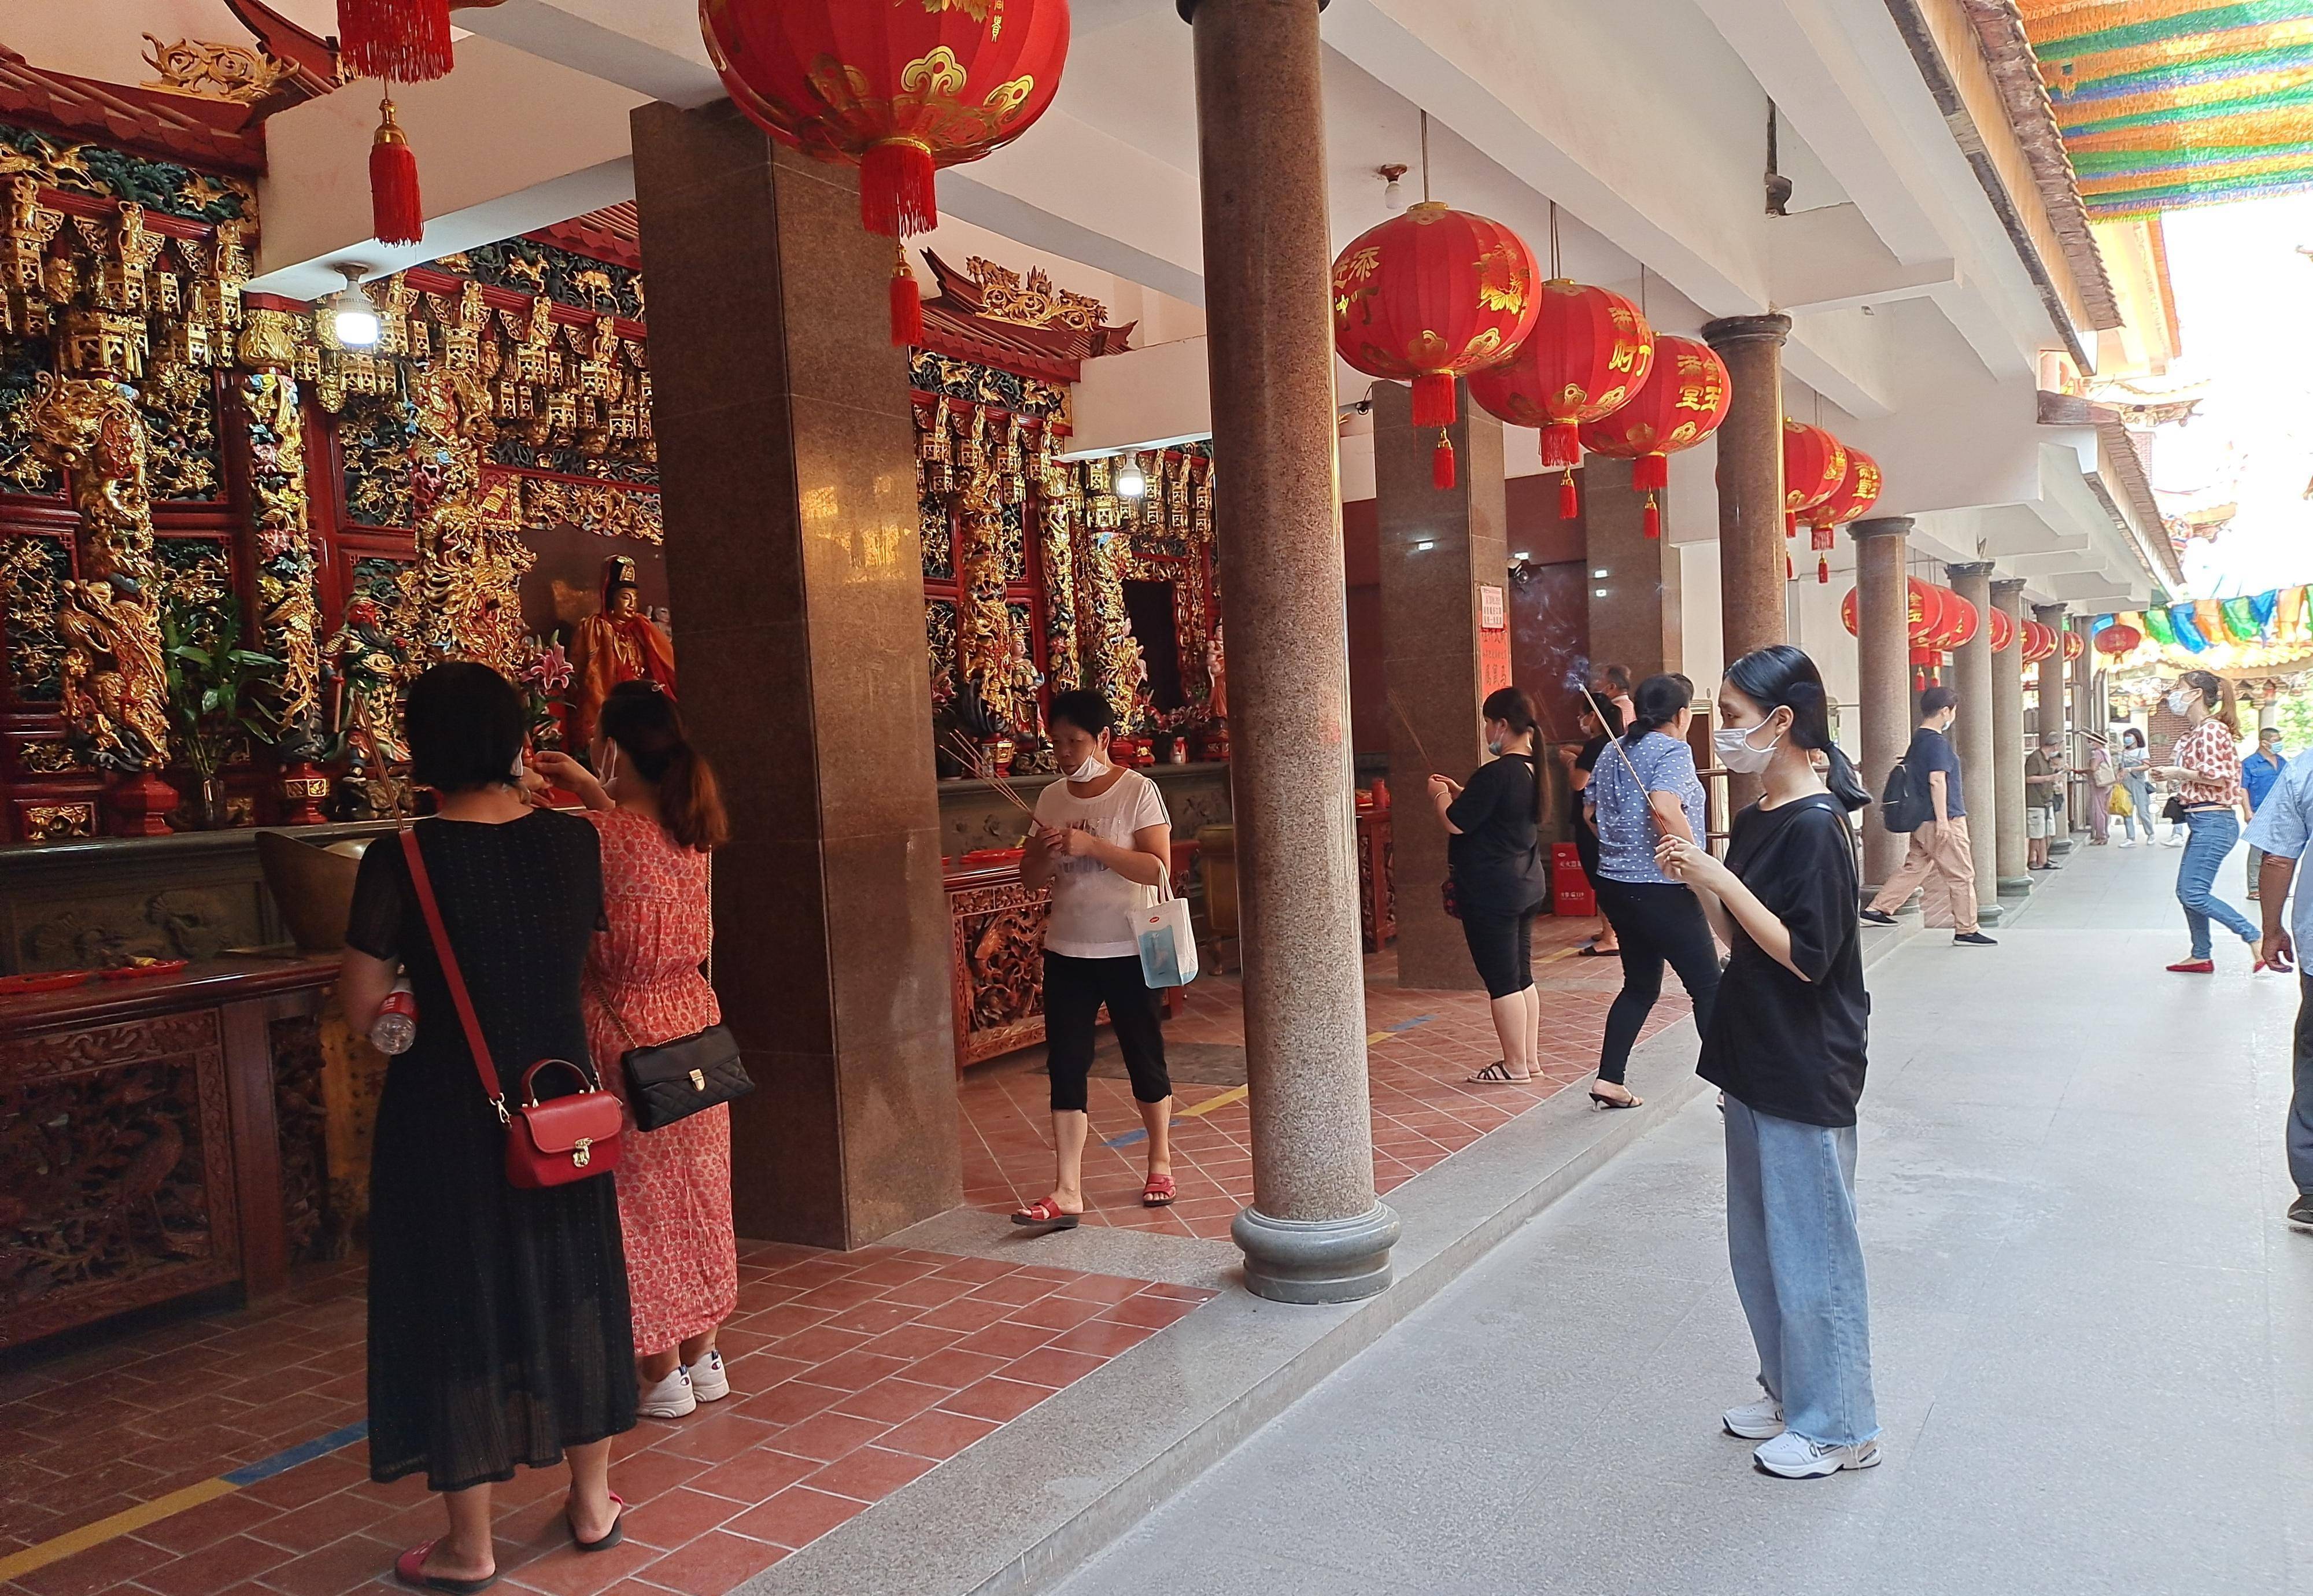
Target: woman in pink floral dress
657 807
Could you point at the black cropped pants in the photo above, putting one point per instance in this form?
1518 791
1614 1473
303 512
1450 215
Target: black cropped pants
1074 990
1655 922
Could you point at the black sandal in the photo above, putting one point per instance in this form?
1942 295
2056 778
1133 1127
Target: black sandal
1498 1073
1603 1101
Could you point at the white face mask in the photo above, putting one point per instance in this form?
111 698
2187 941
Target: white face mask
2180 700
1736 752
1090 770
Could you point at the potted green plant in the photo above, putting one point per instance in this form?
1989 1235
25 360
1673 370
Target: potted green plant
212 699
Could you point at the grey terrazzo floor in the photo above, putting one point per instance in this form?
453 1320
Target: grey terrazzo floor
2093 1334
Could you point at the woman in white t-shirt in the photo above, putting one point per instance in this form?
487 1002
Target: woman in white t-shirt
1101 843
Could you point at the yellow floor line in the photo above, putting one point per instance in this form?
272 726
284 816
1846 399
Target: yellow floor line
1379 1037
120 1524
1234 1094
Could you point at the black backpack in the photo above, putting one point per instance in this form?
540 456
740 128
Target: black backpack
1902 806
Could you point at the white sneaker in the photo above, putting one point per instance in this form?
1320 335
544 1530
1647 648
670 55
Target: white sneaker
709 1382
669 1399
2125 843
2176 841
1794 1457
1754 1421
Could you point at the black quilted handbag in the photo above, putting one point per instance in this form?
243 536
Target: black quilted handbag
675 1080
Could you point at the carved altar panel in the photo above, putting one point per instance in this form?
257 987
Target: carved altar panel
121 1192
998 965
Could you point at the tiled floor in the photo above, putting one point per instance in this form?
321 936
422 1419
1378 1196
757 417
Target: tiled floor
853 1374
1422 1048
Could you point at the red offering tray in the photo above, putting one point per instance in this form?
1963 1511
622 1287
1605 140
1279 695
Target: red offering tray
167 967
11 986
993 856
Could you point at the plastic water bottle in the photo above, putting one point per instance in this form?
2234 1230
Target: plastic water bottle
396 1025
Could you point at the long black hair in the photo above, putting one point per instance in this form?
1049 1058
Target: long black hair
1780 676
1655 703
1514 708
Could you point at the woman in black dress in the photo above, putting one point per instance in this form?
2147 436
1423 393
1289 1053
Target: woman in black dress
498 1324
1495 855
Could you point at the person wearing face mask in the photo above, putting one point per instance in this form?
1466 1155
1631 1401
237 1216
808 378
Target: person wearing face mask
1940 847
2260 771
1647 788
1103 844
1786 1045
2207 772
1494 854
2044 800
2134 761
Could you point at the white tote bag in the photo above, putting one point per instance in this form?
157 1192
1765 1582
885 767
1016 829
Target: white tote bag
1168 949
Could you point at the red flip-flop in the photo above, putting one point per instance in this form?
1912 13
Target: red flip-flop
612 1537
410 1568
1157 1192
1043 1211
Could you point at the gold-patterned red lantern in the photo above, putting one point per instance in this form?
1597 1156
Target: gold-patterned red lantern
1428 296
2039 642
2075 645
2117 639
898 90
1681 401
2003 630
1589 352
1815 464
1858 491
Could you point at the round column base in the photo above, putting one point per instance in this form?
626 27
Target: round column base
1328 1260
2017 886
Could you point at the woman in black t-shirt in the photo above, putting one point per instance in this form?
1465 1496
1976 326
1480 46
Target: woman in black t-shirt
1494 856
1579 766
1785 1044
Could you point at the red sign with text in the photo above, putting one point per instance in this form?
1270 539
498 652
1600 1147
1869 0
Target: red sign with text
1493 641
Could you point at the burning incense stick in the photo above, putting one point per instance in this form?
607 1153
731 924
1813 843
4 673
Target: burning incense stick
1636 778
1407 723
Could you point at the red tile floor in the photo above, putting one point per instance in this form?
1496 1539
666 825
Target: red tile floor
853 1373
1421 1047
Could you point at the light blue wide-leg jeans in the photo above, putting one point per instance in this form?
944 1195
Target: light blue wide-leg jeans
2208 836
1798 1270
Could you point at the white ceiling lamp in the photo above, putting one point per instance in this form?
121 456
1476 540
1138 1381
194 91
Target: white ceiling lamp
1392 192
353 317
1131 481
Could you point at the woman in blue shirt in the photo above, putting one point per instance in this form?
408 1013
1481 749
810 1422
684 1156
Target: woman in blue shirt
1647 790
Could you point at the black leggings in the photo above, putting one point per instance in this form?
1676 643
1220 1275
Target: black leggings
1654 922
1503 948
1074 990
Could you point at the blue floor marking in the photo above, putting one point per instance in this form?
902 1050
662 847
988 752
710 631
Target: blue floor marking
304 1451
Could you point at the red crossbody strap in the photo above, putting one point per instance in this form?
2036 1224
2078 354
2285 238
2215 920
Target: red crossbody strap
475 1044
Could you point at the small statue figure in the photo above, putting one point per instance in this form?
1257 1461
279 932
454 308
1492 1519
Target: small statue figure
618 644
362 666
1217 670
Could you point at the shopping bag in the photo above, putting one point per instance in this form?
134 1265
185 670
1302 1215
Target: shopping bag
1168 948
2120 804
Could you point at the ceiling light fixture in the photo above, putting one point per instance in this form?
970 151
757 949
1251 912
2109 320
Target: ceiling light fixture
353 318
1392 193
1131 481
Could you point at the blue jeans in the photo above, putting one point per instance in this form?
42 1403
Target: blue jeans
2209 836
1799 1269
2139 797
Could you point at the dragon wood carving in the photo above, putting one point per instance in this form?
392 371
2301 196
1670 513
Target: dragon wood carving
460 599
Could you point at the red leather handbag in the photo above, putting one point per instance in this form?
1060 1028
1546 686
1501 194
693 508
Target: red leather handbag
548 1143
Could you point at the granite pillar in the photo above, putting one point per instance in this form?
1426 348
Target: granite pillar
1314 1232
1882 657
1439 549
1633 609
1972 734
1752 550
786 454
2085 720
2054 671
2008 743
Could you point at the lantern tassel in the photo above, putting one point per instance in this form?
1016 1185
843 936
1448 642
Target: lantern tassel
1562 445
407 40
1650 473
1652 520
1790 571
1441 465
896 194
906 304
397 213
1570 504
1790 524
1433 400
1823 570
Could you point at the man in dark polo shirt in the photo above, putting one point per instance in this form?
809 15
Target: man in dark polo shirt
1940 850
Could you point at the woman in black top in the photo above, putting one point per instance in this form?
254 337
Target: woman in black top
498 1324
1495 858
1785 1044
1581 767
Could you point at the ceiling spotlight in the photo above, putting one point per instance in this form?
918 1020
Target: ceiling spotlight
1600 574
353 318
1392 192
1131 481
1522 554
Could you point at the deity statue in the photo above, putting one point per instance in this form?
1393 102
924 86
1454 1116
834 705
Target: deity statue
363 665
1217 670
618 643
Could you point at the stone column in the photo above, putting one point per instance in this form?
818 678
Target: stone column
1314 1232
1439 549
1633 625
787 459
2008 743
1973 735
2053 670
1883 618
1752 550
2085 720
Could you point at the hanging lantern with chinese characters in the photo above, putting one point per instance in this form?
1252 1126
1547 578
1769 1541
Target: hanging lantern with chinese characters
898 90
2003 630
1858 491
1815 464
2075 646
2117 639
1589 352
1681 401
2039 642
1428 296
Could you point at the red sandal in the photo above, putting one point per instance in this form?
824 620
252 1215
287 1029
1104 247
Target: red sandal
410 1568
1157 1192
1044 1211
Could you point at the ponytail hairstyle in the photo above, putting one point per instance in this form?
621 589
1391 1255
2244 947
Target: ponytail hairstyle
1657 702
641 718
2217 693
1514 708
1781 678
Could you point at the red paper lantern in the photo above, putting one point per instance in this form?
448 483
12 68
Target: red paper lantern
1682 402
1961 621
2039 642
1815 464
2075 645
2117 639
1925 602
2003 630
1428 296
1589 352
896 90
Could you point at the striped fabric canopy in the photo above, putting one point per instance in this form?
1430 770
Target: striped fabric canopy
2164 103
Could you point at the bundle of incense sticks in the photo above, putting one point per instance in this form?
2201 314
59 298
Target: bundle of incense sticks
1406 721
967 755
1636 778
